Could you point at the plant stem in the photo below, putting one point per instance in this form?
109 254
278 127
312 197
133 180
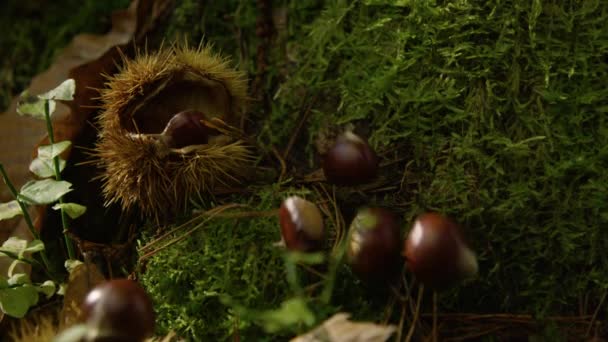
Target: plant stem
26 215
64 218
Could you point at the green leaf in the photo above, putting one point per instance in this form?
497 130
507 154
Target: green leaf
62 288
9 210
16 301
48 288
71 264
34 246
292 311
54 150
14 244
19 279
17 246
33 106
13 266
45 168
44 191
73 210
64 91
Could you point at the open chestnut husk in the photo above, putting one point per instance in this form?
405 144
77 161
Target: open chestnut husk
118 310
302 227
350 161
436 252
374 245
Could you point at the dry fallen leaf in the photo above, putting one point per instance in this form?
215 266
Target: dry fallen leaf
339 329
82 279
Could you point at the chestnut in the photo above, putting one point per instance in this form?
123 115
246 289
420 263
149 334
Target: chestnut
350 161
374 242
185 129
302 226
119 310
436 252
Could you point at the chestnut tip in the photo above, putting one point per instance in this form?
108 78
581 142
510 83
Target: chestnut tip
302 227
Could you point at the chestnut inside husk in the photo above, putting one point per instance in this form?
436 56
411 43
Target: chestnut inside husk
185 129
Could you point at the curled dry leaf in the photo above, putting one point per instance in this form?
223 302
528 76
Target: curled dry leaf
85 60
82 279
339 329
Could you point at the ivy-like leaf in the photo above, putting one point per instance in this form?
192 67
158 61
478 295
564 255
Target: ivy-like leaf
71 264
48 288
13 266
44 191
54 150
45 168
15 246
64 91
33 106
16 301
19 279
9 210
62 288
74 210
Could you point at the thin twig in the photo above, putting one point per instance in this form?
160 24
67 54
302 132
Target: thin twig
434 316
410 333
595 313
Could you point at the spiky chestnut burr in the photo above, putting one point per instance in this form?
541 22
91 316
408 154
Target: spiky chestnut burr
139 170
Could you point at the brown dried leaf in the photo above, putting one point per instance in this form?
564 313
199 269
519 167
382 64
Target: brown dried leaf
82 279
339 329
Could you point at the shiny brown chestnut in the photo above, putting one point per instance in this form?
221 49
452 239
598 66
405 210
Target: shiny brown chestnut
374 244
350 161
119 310
436 252
302 226
185 129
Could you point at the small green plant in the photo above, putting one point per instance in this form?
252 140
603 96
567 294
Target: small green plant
17 292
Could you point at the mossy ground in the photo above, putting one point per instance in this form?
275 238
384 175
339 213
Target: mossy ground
494 112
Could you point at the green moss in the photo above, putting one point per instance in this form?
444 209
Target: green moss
232 258
494 112
34 32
